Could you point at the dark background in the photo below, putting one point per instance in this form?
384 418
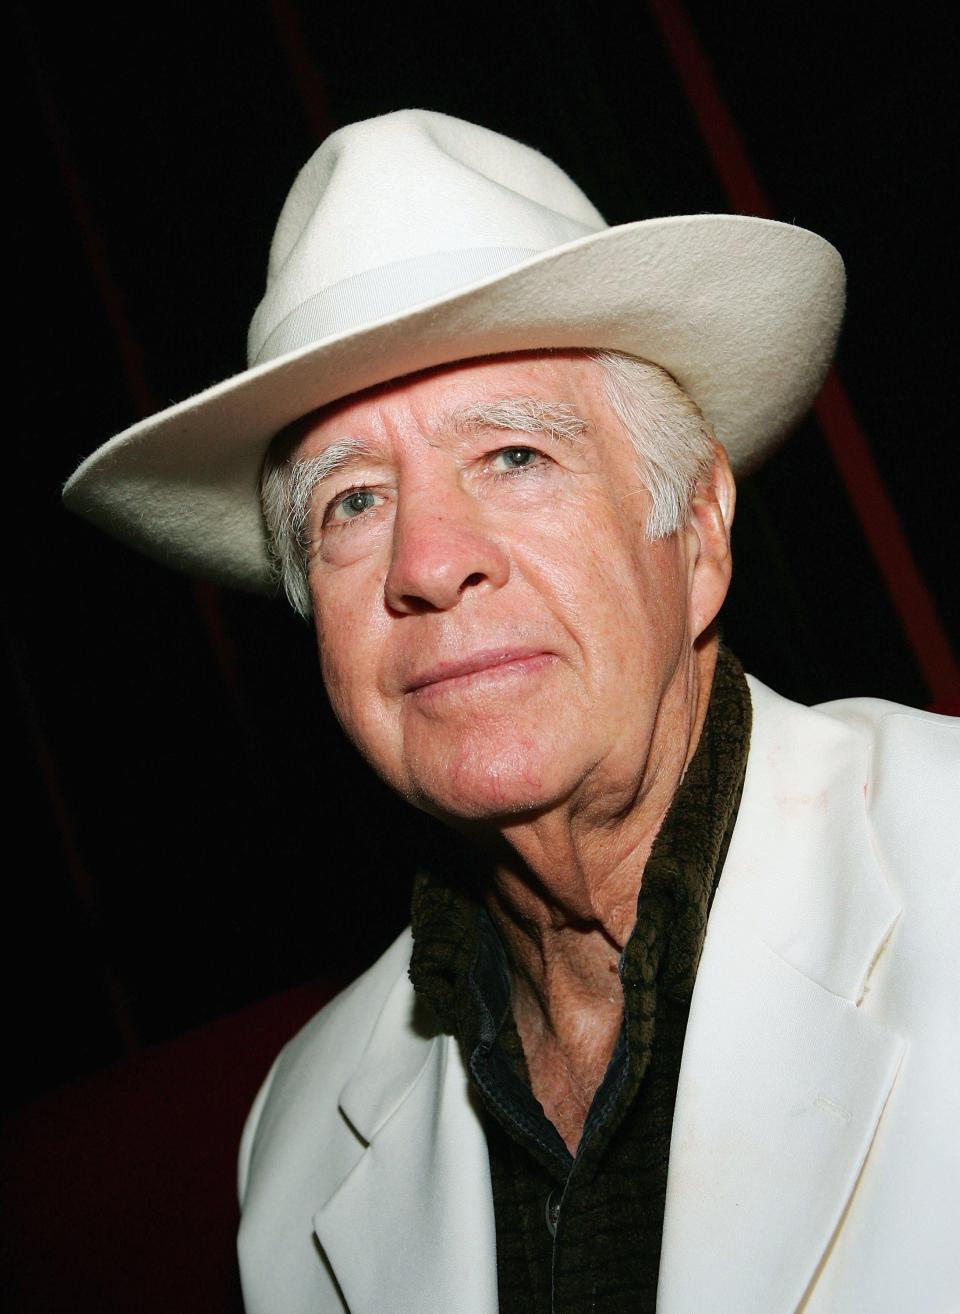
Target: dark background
187 831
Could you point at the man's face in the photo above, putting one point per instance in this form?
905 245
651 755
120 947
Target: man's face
496 634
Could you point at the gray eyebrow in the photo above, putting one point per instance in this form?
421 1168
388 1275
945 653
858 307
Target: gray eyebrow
336 456
306 473
558 420
521 414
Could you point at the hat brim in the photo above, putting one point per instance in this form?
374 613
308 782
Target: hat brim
743 312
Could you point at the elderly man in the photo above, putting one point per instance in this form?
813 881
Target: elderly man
494 481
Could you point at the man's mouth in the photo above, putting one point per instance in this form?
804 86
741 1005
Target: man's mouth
494 663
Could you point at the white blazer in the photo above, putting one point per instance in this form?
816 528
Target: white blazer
815 1158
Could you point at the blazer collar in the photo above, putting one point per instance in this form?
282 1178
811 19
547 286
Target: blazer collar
784 1078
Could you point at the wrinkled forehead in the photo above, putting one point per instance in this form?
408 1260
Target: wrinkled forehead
567 386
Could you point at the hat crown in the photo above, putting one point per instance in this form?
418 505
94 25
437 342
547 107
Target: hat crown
404 189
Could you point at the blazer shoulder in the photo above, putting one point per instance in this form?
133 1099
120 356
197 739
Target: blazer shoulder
871 715
315 1063
889 739
913 764
885 778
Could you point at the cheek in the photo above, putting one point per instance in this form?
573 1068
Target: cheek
597 565
348 641
622 599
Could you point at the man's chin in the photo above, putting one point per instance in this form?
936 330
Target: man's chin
486 787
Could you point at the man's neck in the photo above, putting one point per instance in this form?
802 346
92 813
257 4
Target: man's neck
563 895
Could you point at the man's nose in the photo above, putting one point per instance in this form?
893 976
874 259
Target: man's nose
441 549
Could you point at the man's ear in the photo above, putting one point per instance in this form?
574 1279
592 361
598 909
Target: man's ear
711 517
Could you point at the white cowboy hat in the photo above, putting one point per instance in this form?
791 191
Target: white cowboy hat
416 239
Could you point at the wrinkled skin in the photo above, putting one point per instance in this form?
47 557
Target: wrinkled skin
443 545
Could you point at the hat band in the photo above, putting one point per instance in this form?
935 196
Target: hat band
362 299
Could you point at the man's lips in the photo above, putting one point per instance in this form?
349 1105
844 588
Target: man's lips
488 659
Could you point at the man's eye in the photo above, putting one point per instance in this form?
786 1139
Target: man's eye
352 505
515 458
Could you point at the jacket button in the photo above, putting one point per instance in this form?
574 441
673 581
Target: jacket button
552 1212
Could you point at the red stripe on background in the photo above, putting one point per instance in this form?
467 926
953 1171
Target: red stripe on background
85 889
206 597
111 298
303 70
884 534
713 118
845 438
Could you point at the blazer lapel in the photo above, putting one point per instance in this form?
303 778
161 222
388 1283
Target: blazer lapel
411 1229
784 1078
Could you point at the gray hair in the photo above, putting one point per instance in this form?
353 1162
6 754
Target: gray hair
673 442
